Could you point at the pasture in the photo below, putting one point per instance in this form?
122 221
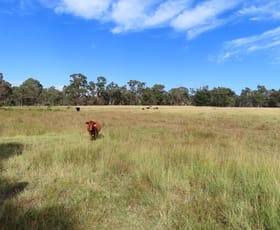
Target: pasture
170 168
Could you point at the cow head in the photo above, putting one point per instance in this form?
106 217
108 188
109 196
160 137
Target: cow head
92 129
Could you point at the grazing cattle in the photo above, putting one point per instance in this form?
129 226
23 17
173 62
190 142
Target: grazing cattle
93 128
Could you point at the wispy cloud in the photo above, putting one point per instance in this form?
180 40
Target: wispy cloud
139 14
89 9
166 11
203 17
247 45
192 17
261 10
128 15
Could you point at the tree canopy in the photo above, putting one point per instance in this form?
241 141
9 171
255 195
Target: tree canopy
80 91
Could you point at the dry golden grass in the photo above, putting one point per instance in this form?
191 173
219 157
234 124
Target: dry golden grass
167 168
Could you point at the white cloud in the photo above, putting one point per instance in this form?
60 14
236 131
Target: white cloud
142 14
261 10
166 11
203 17
247 45
200 15
89 9
192 17
130 15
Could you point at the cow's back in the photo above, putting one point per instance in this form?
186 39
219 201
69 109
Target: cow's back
98 126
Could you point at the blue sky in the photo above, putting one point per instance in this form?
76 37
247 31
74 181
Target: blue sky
191 43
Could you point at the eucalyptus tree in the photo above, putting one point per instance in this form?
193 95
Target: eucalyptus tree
202 96
124 95
273 98
113 93
245 98
222 97
156 95
5 91
136 89
148 98
260 96
30 91
16 98
179 96
51 96
77 92
100 89
92 93
159 94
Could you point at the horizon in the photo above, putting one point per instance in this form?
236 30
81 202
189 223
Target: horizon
176 43
146 85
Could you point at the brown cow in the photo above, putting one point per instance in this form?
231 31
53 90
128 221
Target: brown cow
93 128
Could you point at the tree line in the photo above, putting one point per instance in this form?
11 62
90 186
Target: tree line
80 91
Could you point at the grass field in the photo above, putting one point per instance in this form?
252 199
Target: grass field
170 168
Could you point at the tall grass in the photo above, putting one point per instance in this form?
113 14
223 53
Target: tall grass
172 168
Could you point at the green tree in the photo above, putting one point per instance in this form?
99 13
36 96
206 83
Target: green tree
101 92
92 94
202 96
51 96
148 97
260 96
159 94
179 96
30 91
273 98
136 89
155 95
114 94
222 97
5 91
17 96
124 95
77 92
245 98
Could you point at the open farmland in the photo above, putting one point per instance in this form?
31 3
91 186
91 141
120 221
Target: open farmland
166 168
